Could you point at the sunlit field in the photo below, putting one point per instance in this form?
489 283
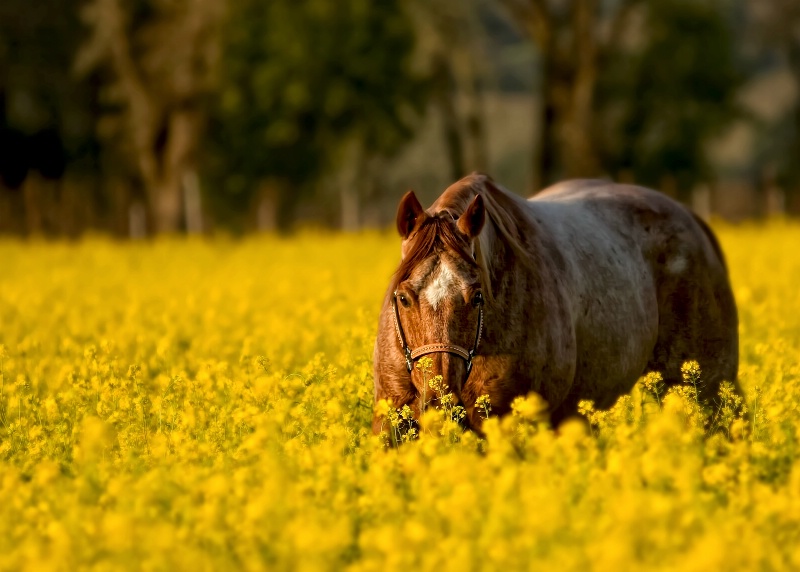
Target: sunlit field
206 404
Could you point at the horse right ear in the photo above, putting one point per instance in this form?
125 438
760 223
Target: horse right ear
408 213
471 222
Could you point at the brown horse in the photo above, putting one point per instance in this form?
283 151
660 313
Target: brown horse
574 294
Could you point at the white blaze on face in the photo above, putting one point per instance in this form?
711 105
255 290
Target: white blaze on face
443 283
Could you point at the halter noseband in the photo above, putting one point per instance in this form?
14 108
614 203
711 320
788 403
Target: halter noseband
413 355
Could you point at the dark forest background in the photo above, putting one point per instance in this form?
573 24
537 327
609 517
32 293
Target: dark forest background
136 117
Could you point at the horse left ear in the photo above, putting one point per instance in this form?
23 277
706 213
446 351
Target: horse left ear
409 212
471 222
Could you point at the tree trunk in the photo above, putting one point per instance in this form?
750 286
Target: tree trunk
567 36
349 207
137 220
276 206
164 119
445 100
267 209
193 203
476 123
165 182
469 54
579 151
167 205
546 144
794 177
350 180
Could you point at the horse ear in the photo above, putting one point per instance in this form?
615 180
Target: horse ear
471 222
408 213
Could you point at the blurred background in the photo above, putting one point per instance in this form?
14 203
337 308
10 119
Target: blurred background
138 117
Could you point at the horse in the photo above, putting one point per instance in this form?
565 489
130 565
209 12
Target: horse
574 294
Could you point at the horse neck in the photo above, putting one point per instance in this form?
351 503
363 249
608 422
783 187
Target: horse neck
510 244
514 225
510 239
497 257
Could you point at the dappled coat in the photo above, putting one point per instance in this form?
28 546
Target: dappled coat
573 294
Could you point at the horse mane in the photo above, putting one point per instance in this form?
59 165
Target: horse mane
505 217
507 212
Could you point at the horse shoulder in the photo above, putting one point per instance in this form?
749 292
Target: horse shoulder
553 342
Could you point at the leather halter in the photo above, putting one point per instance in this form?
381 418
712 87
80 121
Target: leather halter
413 355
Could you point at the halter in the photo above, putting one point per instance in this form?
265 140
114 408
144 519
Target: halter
413 355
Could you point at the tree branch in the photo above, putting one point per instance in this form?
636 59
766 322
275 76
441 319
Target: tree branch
619 23
109 42
534 18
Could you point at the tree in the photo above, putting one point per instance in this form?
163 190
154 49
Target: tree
305 87
161 54
658 106
629 87
46 116
453 44
575 39
775 26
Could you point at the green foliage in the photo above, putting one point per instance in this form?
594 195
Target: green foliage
298 81
38 90
665 101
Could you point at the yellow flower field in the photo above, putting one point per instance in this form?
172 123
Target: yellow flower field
195 404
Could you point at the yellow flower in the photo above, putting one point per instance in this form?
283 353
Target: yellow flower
531 407
383 407
690 370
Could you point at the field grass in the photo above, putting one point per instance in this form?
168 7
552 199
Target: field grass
206 404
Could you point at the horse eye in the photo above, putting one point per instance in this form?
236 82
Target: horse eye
477 299
404 301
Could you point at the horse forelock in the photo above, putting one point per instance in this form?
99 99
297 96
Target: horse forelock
435 234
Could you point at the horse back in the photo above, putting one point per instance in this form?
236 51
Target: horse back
659 225
645 263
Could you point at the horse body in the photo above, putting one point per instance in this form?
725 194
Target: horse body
591 285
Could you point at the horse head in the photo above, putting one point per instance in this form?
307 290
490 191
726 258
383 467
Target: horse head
438 295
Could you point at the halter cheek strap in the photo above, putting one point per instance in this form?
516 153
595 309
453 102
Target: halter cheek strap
413 355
